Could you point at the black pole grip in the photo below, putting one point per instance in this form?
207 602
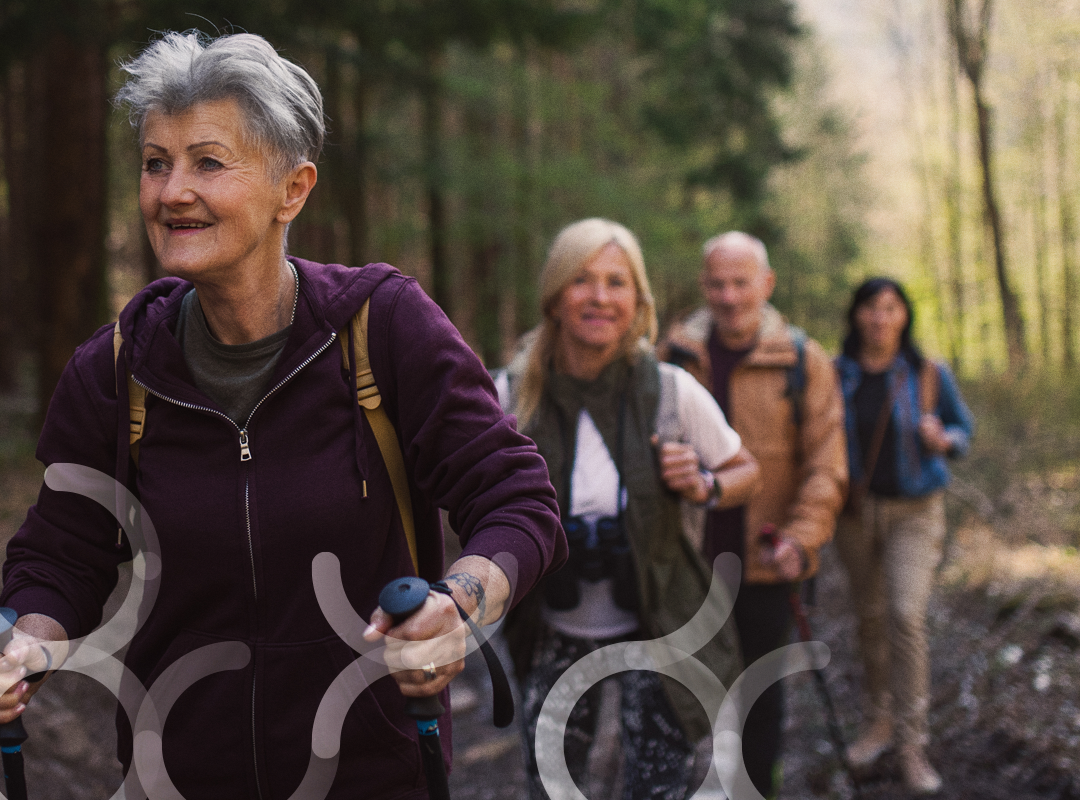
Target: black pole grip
12 735
424 708
431 757
14 776
403 597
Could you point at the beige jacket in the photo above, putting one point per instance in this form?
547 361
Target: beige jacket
804 472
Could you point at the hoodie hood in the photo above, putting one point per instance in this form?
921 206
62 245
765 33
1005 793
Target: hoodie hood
330 294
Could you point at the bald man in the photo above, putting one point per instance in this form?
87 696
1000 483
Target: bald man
779 391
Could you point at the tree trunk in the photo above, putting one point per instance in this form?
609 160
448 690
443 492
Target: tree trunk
346 155
357 213
1041 281
954 216
1010 304
518 298
434 188
1068 234
971 48
1042 164
18 151
8 326
69 223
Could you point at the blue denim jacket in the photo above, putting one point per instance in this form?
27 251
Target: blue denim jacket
919 471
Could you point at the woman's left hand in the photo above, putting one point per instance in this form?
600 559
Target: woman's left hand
680 469
934 436
788 558
434 635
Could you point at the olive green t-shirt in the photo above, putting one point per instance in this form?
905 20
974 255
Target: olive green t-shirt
235 376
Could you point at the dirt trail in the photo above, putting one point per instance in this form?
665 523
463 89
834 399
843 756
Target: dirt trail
1004 718
1005 651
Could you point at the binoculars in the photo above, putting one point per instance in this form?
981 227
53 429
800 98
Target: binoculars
607 555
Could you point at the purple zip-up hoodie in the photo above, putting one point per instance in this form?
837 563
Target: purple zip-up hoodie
238 537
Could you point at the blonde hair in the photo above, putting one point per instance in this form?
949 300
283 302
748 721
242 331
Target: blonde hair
575 246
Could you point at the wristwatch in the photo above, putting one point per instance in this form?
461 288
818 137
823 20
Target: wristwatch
712 499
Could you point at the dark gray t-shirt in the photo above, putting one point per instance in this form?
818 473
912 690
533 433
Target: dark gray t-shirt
232 375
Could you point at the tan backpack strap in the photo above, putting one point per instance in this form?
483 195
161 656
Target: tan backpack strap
929 387
136 400
367 395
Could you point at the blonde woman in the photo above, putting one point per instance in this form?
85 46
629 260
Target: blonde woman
587 389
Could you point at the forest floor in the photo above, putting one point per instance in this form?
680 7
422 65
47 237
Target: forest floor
1004 625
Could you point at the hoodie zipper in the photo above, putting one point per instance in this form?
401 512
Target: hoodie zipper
245 441
245 455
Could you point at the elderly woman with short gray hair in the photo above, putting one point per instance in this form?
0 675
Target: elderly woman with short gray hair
255 458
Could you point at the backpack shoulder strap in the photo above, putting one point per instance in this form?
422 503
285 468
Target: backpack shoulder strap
667 410
136 399
929 387
506 385
796 374
369 399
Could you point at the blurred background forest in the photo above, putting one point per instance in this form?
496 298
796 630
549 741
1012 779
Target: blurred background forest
934 140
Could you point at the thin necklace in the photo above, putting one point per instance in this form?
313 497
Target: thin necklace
296 291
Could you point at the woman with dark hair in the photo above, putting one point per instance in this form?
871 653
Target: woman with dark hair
904 417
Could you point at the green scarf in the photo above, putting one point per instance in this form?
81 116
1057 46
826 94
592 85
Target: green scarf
673 579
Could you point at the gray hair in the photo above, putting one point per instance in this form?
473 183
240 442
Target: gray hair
281 104
737 239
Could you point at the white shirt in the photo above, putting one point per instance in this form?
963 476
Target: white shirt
594 484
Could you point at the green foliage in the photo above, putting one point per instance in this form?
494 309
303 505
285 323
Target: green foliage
674 117
1026 446
816 204
714 66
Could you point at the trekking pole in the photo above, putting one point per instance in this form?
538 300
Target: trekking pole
771 537
401 599
13 734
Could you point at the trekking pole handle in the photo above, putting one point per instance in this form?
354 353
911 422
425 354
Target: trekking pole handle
770 535
13 734
401 599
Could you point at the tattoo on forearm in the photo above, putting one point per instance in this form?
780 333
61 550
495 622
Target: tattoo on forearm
472 588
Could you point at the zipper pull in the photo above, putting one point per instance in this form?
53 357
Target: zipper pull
245 451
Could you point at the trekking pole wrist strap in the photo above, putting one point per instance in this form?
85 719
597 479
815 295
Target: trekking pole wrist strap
500 686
